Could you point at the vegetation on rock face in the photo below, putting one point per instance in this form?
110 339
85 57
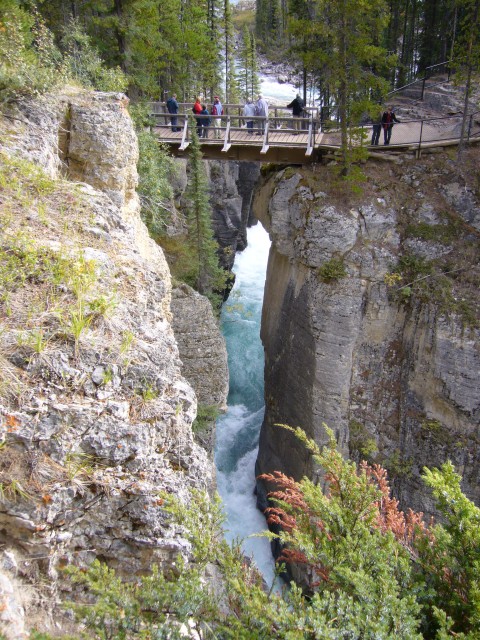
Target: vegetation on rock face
332 270
369 570
155 168
205 274
31 62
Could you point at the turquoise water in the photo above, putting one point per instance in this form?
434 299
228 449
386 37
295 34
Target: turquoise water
238 430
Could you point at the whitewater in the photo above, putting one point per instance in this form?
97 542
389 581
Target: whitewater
238 430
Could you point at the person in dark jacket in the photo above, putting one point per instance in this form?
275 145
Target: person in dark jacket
388 118
296 105
376 128
205 122
172 107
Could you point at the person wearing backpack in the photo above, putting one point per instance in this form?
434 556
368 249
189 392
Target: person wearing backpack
205 122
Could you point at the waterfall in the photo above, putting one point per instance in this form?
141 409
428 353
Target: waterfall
238 430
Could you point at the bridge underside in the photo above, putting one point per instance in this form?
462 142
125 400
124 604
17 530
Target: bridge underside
276 155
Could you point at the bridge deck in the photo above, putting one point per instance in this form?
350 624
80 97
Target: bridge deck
283 138
277 137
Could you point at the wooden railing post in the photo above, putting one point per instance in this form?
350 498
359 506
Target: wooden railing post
185 142
265 147
420 138
226 143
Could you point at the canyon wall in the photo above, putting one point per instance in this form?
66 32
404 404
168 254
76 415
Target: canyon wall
392 367
95 412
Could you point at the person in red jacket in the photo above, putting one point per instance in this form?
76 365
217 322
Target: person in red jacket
197 110
388 118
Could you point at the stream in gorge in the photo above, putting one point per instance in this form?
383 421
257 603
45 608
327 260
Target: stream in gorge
238 430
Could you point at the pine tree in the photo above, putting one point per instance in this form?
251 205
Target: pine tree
467 51
231 80
206 276
249 82
342 39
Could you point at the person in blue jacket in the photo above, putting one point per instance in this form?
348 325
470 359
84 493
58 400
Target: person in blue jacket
205 122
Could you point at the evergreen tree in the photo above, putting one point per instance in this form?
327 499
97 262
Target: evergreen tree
249 81
370 570
231 81
342 37
467 51
205 275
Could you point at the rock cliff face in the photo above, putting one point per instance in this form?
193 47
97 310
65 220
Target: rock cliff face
391 366
232 185
95 414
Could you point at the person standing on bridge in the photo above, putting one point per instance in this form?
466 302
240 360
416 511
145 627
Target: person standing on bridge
249 112
217 111
261 110
296 105
205 122
197 110
388 118
172 107
376 128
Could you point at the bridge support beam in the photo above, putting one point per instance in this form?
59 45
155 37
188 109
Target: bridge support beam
277 155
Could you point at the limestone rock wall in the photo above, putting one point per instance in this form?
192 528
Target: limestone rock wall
395 374
203 353
92 428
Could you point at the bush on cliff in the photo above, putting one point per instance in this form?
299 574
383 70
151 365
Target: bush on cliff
370 571
31 63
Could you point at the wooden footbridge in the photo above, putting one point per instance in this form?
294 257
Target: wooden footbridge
281 138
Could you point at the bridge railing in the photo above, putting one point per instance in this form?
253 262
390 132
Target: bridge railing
285 131
445 69
411 132
159 110
281 130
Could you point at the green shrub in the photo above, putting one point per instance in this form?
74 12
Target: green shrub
155 166
370 570
206 415
84 64
334 269
442 233
361 440
30 63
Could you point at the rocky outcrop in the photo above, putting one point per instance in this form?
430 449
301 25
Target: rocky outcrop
232 186
349 341
95 414
203 353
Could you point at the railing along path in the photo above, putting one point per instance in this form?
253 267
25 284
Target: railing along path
307 134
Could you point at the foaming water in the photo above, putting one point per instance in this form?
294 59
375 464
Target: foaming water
238 430
276 93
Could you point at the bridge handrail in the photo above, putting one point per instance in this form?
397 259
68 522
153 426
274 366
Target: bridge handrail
423 77
426 129
232 109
